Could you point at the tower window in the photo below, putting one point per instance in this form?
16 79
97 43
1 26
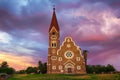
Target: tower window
54 45
53 33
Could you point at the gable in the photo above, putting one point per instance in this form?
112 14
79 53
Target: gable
69 45
53 29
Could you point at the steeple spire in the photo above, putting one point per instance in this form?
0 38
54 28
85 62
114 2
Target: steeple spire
54 21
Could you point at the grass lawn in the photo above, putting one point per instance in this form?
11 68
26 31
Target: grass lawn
65 77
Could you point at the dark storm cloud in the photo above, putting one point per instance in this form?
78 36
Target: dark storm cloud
5 20
9 21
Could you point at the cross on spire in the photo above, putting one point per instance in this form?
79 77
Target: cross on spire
53 7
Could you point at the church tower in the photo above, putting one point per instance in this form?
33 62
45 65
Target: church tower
53 42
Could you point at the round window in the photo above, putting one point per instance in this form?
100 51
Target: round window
69 54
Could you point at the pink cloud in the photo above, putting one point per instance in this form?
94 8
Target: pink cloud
106 57
90 23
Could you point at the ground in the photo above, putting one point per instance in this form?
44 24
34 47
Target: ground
65 77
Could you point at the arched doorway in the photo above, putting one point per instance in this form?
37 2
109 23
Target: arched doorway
69 68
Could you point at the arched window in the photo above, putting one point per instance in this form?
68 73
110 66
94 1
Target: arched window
77 58
60 59
53 67
78 67
53 35
60 67
54 45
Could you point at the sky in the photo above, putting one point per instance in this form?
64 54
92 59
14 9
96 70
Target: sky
94 25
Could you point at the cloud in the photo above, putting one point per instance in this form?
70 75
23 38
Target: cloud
5 38
100 25
23 47
13 6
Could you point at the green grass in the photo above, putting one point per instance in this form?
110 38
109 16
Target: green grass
65 77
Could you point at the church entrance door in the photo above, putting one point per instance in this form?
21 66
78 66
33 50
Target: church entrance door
69 70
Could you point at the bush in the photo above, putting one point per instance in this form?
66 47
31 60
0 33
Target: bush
21 72
4 68
7 70
31 70
100 69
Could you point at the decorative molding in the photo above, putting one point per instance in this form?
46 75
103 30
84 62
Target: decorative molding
69 61
69 65
53 28
53 57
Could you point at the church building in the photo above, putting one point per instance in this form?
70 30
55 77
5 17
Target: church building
66 58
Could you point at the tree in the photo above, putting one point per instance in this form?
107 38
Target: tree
31 70
85 53
4 64
42 67
110 68
10 70
89 69
6 69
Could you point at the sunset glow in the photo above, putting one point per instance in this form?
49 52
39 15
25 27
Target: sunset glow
17 62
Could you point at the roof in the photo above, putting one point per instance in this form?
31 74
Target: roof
54 21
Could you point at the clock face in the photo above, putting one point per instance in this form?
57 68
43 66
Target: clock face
69 54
